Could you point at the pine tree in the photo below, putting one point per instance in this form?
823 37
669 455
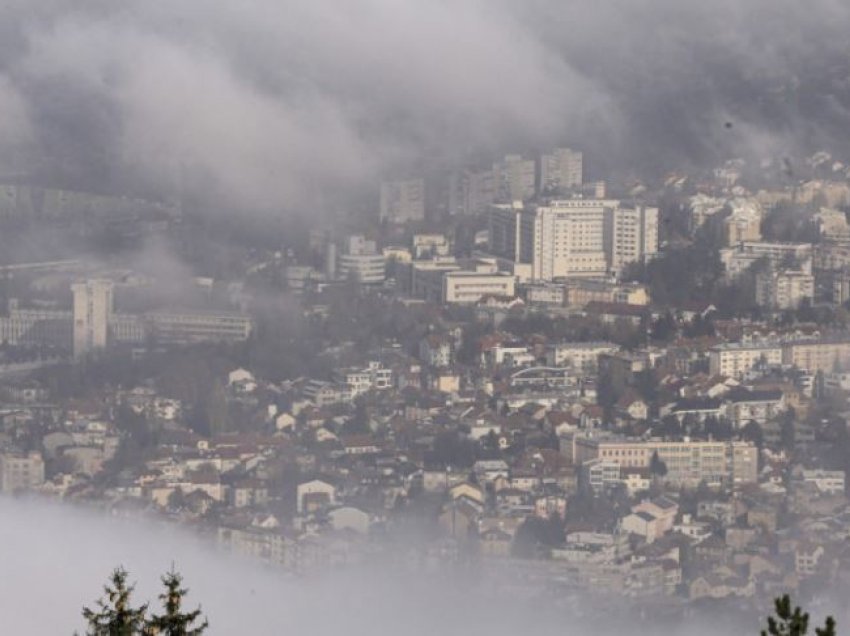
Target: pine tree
793 622
175 622
114 615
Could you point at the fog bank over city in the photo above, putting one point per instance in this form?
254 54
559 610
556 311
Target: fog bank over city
273 103
63 555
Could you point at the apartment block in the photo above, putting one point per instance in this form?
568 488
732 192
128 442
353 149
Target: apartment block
736 359
688 462
403 201
561 170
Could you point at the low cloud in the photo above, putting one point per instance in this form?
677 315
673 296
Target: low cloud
268 105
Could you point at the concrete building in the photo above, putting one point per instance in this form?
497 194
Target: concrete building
515 179
784 288
688 462
818 355
635 236
736 359
430 245
403 201
505 226
561 170
581 357
832 224
566 238
36 327
21 471
374 376
585 238
736 260
93 307
471 286
175 327
361 262
830 482
739 228
472 192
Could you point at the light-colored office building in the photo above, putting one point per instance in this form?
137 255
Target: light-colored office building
465 286
93 307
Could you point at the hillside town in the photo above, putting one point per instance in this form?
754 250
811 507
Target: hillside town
625 390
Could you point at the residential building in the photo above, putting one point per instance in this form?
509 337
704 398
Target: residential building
784 288
580 357
93 307
561 170
21 471
634 236
818 355
472 192
736 359
403 201
515 179
688 462
741 257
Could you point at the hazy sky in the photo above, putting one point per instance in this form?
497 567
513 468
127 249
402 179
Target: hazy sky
269 100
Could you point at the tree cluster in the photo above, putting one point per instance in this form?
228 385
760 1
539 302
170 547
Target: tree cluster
115 615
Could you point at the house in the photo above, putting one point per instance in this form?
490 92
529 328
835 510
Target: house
632 406
313 494
469 491
241 381
651 519
643 524
459 519
807 558
285 422
495 542
436 350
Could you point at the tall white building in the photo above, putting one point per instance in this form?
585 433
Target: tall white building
573 238
566 238
634 235
403 201
93 308
561 170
